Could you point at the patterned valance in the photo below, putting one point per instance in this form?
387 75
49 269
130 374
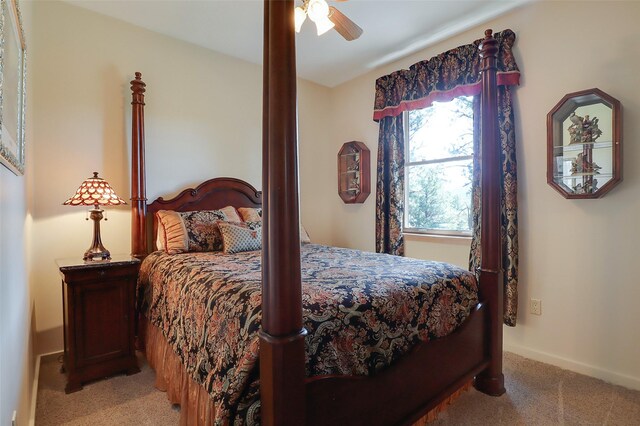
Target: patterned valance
442 78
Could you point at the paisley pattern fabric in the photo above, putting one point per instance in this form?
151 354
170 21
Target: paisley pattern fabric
202 229
450 74
390 187
442 78
508 203
362 310
180 232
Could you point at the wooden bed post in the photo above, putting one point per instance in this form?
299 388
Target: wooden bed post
405 391
491 381
282 358
138 181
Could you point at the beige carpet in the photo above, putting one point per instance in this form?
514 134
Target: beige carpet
119 400
537 394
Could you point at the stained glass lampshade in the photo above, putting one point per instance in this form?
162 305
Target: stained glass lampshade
95 192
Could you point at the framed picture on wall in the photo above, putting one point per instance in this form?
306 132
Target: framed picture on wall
13 58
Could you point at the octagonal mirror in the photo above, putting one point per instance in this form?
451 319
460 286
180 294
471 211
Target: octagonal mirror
584 144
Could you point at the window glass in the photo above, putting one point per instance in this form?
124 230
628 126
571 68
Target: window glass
439 168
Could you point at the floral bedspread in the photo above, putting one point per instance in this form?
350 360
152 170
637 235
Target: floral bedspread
362 311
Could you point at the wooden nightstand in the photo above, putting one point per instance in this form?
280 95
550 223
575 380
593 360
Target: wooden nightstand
98 300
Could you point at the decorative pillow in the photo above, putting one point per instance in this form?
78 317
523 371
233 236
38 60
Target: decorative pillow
161 235
232 214
250 225
240 237
170 225
250 214
193 231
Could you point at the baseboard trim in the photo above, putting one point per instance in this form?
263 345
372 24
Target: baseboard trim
34 392
575 366
34 387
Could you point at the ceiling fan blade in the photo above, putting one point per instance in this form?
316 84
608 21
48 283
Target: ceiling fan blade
343 25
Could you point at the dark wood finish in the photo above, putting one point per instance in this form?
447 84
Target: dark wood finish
491 381
282 359
138 174
98 315
354 192
210 195
397 395
616 146
432 371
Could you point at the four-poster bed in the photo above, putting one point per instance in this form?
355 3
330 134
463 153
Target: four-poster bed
422 378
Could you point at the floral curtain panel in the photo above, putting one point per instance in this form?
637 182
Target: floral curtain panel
442 78
390 186
508 201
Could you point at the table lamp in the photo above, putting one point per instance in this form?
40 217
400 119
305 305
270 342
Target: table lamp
95 192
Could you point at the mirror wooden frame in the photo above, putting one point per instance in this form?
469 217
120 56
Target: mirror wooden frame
555 133
354 174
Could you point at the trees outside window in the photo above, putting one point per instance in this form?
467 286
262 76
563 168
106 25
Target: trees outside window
439 168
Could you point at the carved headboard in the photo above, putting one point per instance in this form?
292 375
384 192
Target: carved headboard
210 195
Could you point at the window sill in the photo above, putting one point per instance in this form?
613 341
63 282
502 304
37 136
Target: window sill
434 238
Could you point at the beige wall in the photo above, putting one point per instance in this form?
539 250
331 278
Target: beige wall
577 256
15 337
203 120
16 299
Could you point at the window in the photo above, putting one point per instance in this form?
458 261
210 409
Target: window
439 168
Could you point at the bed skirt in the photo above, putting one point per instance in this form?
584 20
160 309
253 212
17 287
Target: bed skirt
196 407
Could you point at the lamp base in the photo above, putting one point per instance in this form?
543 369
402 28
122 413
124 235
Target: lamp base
97 250
97 253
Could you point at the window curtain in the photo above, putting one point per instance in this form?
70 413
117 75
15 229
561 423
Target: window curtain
442 78
508 202
390 186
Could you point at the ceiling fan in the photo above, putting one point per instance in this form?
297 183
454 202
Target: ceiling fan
325 18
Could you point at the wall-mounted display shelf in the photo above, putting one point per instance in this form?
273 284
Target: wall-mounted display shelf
354 175
584 143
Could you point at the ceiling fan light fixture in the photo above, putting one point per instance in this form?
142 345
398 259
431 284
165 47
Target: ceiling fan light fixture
299 17
325 17
323 25
318 10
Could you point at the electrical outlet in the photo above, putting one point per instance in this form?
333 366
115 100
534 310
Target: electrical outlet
535 306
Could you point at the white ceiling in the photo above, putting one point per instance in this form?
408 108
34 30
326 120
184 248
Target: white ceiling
392 29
